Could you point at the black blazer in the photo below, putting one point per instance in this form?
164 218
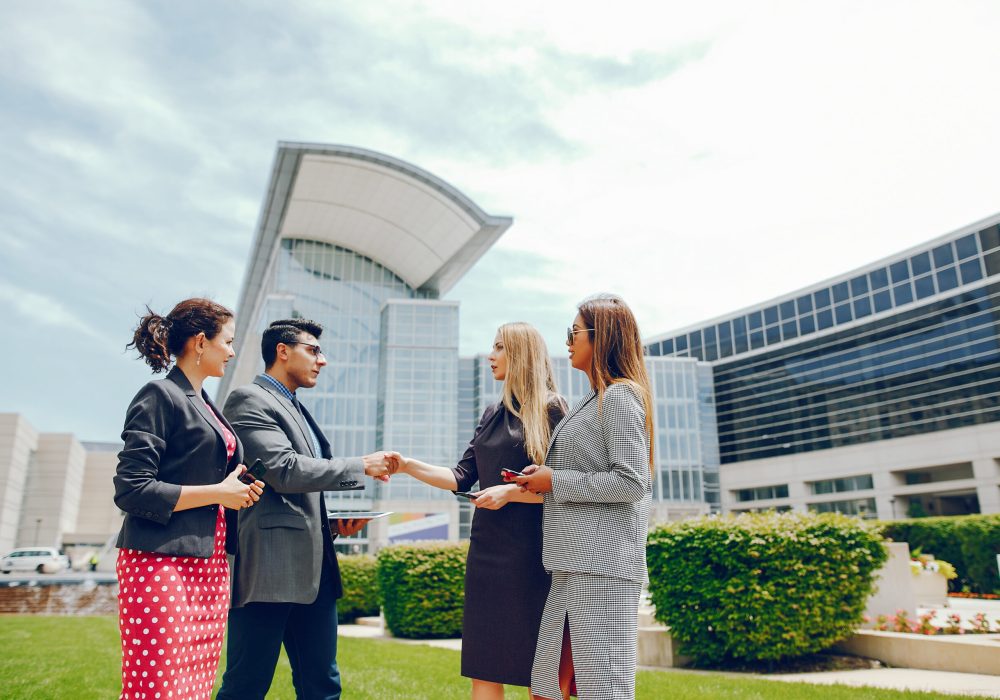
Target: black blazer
171 439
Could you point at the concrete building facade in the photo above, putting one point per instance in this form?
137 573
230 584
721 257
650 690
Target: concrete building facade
55 491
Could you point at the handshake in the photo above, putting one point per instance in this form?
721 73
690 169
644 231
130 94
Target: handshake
383 464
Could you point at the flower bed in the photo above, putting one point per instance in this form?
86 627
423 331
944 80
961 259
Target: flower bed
974 596
924 624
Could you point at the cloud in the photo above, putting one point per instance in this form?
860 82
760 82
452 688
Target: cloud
507 285
692 157
43 310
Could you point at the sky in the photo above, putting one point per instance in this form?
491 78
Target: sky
693 157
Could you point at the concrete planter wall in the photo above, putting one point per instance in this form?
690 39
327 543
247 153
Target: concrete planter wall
973 653
931 589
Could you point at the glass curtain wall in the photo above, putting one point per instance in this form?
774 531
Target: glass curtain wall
345 292
418 390
930 368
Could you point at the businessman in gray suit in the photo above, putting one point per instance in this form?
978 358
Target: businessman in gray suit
285 576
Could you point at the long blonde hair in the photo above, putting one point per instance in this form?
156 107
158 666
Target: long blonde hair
529 384
618 353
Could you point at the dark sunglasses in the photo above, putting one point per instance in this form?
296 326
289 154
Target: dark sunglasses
571 333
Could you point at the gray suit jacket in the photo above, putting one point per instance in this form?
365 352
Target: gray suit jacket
171 440
597 514
281 539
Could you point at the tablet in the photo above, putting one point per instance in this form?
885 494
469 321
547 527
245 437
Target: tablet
357 514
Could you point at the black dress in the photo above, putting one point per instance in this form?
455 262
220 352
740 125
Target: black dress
505 584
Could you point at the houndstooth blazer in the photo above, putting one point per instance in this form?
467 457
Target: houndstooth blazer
597 514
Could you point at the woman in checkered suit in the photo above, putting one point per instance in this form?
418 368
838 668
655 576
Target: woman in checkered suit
596 483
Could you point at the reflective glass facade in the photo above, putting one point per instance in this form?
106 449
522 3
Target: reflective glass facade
903 347
344 292
418 390
932 367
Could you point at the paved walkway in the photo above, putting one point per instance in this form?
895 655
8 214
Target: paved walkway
972 684
967 684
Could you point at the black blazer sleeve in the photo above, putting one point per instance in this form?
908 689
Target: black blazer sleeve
148 425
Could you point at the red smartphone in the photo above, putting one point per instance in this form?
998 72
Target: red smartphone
508 473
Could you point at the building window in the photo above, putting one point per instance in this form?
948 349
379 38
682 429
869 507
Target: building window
861 507
850 483
762 493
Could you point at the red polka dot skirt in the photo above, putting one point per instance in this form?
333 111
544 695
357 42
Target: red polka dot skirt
172 616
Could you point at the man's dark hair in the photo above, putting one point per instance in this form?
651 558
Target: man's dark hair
285 331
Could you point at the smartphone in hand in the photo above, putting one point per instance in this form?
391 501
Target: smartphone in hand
509 474
466 494
253 473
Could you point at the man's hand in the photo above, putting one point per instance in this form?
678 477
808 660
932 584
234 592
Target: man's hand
536 479
377 465
396 462
352 526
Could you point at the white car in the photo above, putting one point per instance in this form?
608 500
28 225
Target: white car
47 560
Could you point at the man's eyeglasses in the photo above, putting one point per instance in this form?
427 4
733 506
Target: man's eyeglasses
571 333
314 349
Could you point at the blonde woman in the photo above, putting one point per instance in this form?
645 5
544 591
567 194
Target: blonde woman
597 483
505 584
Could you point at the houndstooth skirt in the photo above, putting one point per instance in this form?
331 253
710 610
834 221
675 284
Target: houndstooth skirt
602 616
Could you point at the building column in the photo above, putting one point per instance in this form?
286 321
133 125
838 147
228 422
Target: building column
987 474
18 441
887 507
798 494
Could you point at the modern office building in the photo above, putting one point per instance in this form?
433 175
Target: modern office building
367 244
876 393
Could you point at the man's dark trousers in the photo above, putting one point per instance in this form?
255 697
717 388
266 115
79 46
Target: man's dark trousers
309 633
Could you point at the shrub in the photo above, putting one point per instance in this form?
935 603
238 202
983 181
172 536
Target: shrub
762 587
980 536
358 574
970 542
423 589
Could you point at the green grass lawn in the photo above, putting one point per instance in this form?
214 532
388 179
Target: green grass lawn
78 658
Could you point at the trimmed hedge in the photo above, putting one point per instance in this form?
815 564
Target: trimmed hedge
361 598
762 586
969 542
423 589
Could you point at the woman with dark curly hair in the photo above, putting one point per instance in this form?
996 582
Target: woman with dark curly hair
178 472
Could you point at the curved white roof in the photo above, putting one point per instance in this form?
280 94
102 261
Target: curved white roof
410 221
413 224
